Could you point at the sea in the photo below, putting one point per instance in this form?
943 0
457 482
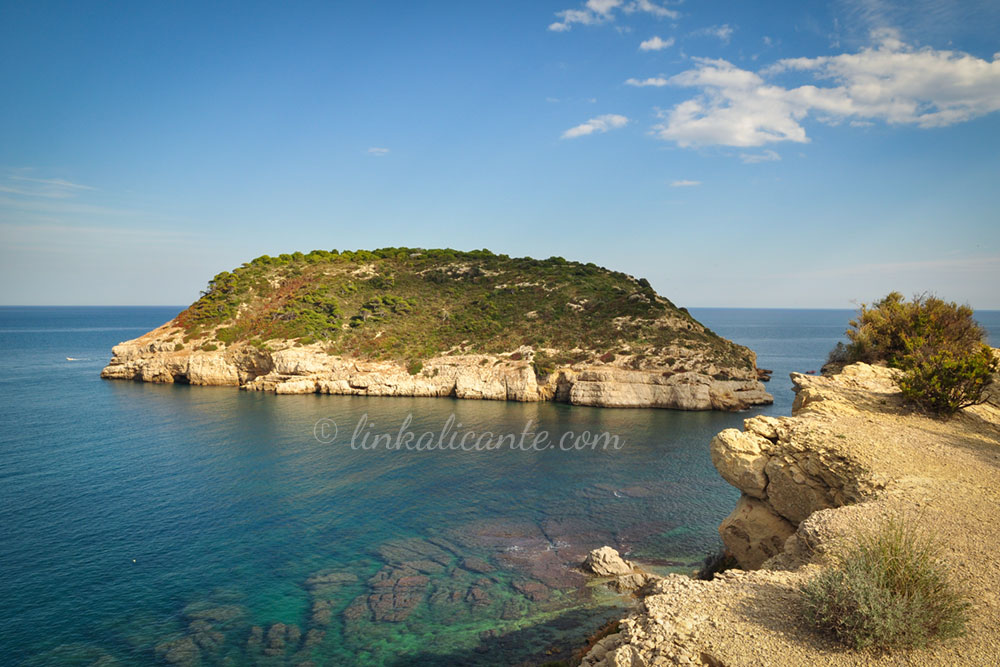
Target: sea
146 524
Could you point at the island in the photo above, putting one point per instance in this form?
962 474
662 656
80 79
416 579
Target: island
419 322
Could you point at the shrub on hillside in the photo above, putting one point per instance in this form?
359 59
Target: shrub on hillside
888 589
893 328
946 381
937 344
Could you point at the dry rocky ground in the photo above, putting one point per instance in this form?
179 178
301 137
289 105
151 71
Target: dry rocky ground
851 455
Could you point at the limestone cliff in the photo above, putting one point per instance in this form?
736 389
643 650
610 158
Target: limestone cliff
440 323
308 369
851 454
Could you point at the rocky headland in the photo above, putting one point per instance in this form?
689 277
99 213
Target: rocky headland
851 454
406 322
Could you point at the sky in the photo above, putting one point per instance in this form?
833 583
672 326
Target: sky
782 154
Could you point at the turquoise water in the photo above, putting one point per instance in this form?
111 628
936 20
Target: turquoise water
148 523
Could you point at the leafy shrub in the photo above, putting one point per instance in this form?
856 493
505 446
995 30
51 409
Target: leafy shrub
840 354
228 335
888 589
938 345
543 367
944 382
209 347
178 346
892 328
415 367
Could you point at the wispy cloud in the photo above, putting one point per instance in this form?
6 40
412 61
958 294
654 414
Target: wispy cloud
891 82
378 152
765 156
723 32
16 182
594 12
656 44
55 206
654 81
684 183
918 17
601 124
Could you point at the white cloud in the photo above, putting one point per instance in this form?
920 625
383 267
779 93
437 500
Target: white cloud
891 82
378 152
601 124
651 8
603 11
723 32
765 156
654 81
685 184
656 44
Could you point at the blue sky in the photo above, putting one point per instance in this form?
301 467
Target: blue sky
793 154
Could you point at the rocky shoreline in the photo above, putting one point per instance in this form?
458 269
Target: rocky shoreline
851 454
287 368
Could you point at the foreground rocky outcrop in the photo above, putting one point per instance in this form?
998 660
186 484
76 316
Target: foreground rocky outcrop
852 454
288 368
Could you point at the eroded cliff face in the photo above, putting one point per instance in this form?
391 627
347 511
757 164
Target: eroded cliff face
851 454
286 368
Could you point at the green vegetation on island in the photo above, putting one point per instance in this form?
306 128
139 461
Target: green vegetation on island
409 304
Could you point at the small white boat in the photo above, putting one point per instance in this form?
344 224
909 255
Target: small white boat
72 359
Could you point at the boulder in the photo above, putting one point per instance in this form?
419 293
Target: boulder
606 562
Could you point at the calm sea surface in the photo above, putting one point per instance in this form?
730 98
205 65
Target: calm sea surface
147 523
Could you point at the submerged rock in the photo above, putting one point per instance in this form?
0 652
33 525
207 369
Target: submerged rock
181 651
397 592
477 565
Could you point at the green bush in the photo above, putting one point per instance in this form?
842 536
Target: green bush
893 328
209 347
840 354
415 367
937 344
888 589
944 382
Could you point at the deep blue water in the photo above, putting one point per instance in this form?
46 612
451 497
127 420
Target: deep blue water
145 522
